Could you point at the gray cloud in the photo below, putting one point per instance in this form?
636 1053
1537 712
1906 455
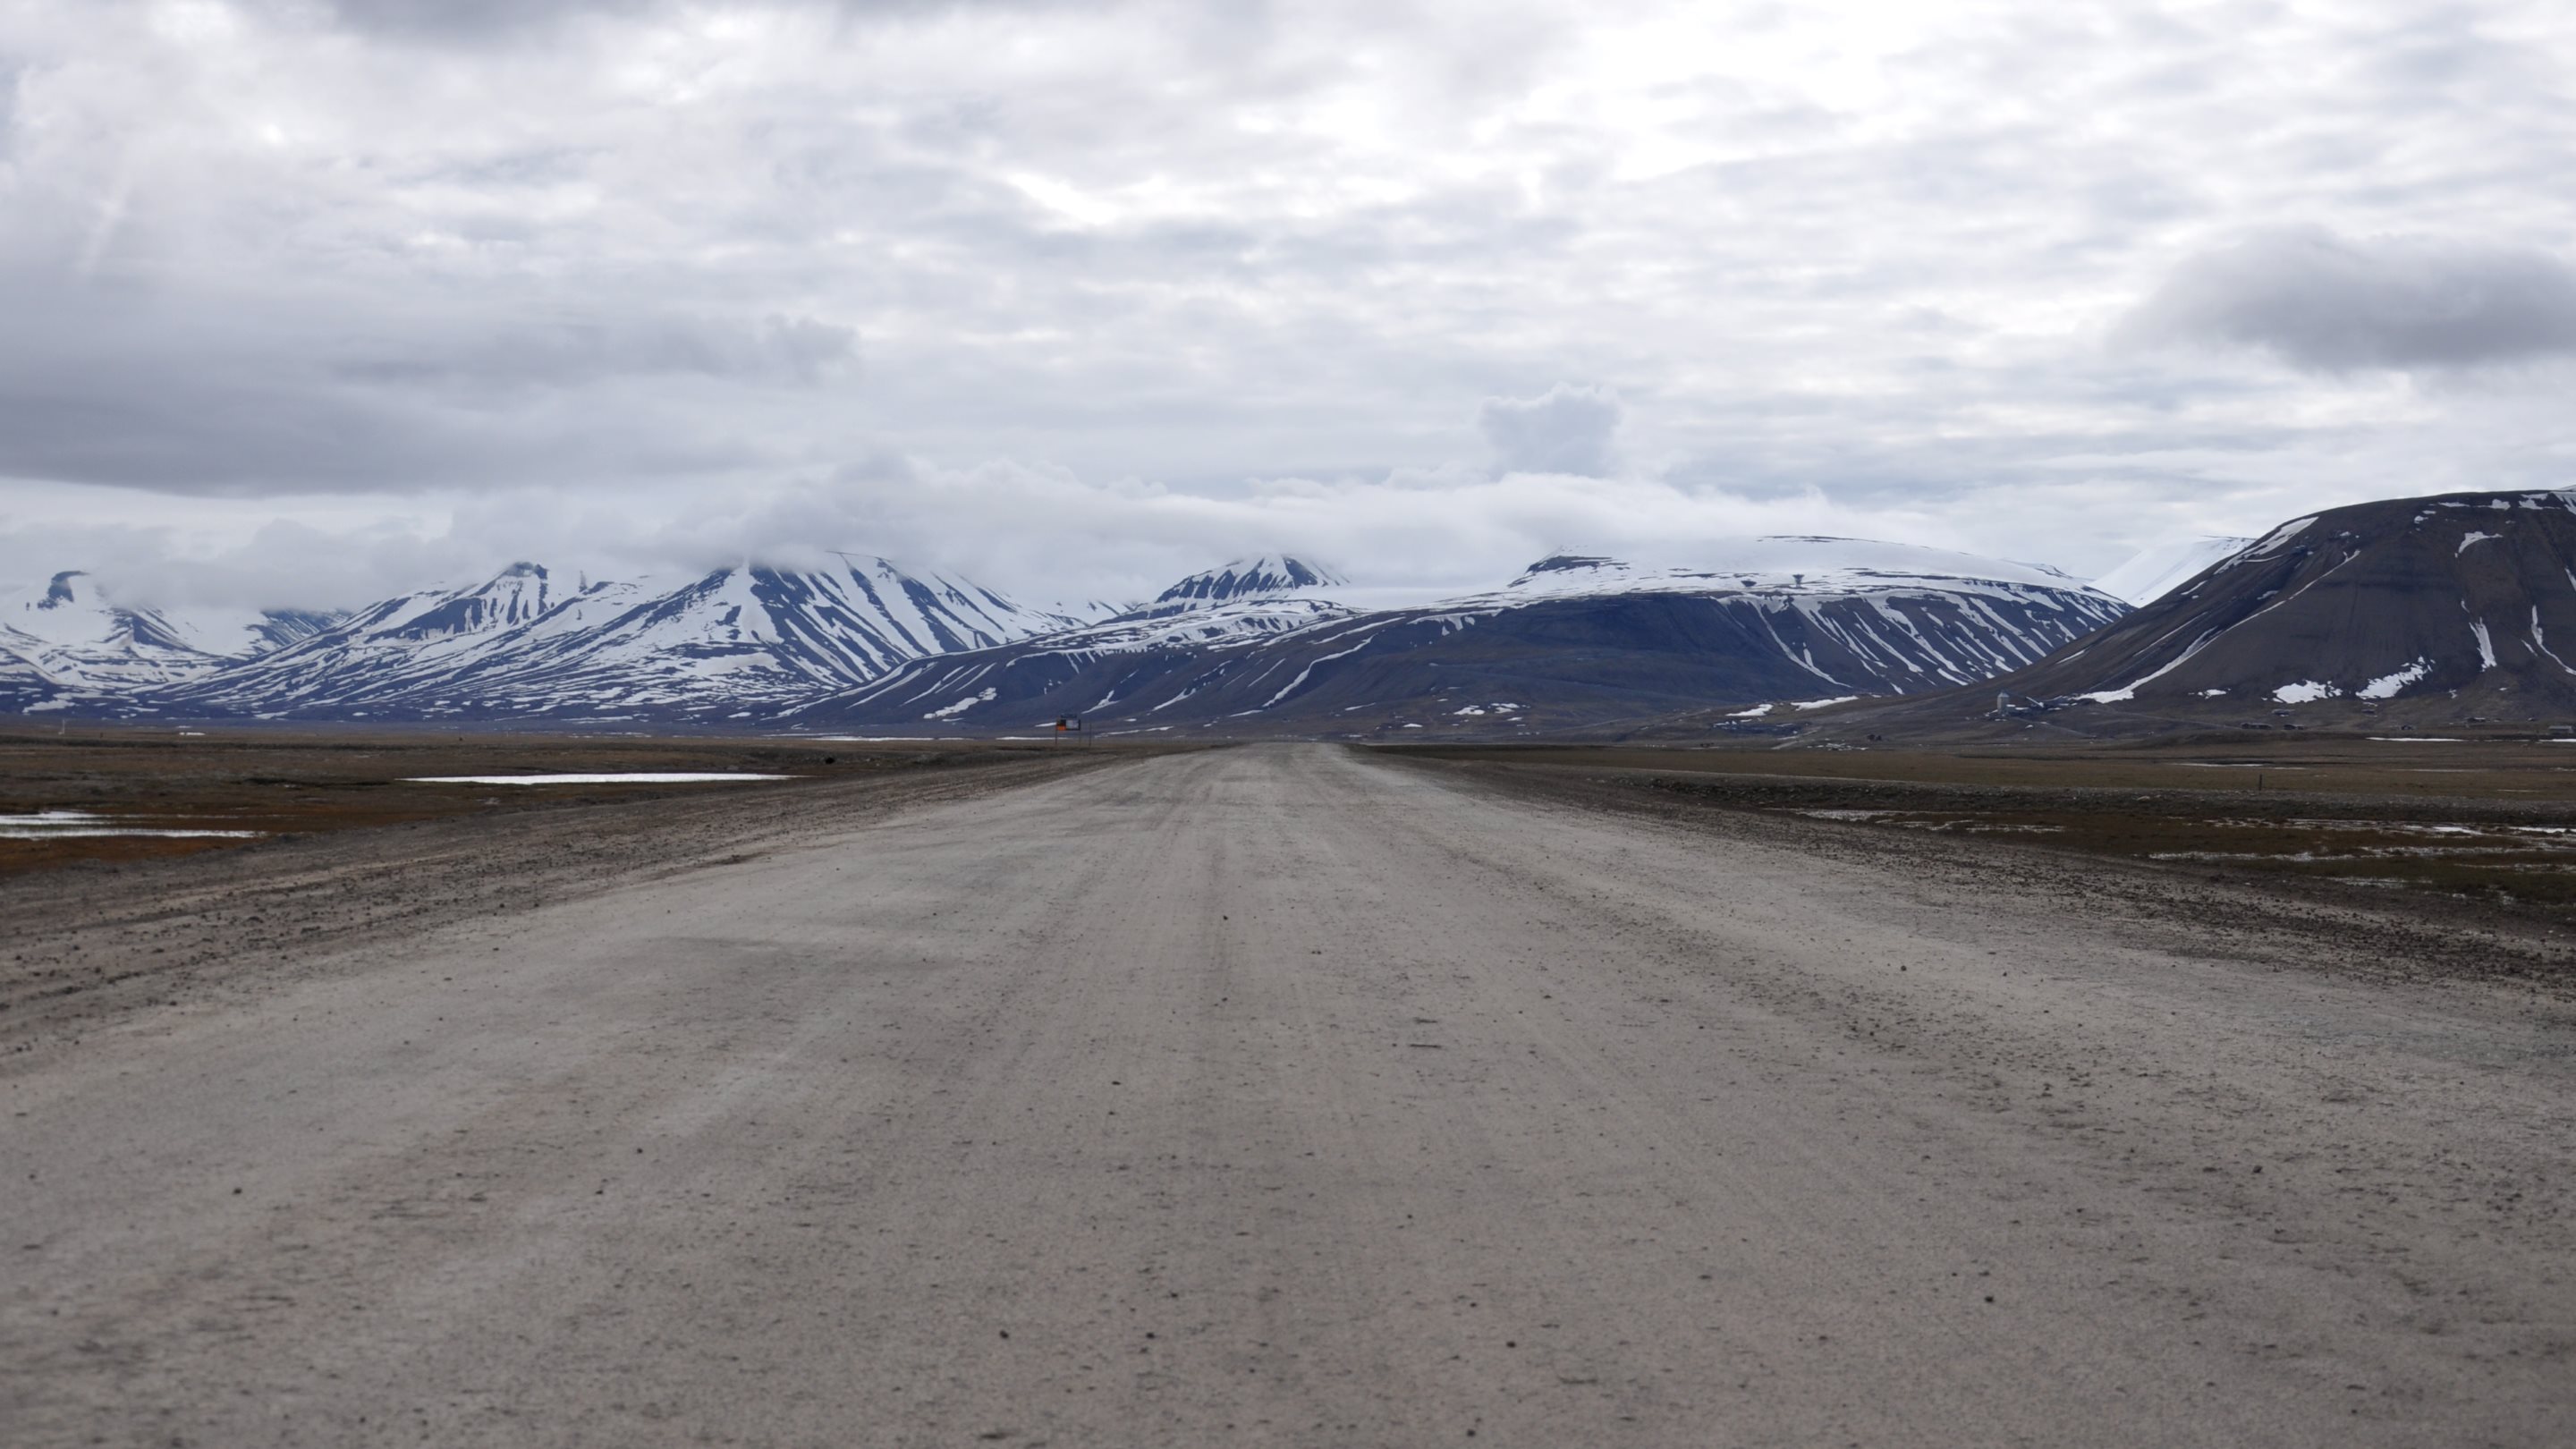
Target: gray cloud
472 20
568 352
323 391
484 21
2321 302
1566 429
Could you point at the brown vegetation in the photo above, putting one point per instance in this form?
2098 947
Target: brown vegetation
284 784
2489 819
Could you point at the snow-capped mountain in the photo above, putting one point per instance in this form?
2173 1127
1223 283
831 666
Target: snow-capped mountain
70 640
2461 603
1244 600
729 644
1280 642
392 647
2158 570
1802 564
1573 639
1268 574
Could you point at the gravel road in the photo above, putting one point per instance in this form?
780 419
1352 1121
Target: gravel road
1286 1095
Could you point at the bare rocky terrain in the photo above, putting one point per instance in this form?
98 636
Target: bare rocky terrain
1285 1095
91 939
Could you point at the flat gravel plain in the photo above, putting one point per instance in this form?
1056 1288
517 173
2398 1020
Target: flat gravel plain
1285 1095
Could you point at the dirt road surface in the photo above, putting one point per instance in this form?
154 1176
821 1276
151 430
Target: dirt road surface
1288 1096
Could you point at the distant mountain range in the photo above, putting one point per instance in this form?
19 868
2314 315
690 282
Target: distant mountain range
2461 606
1268 644
1574 642
733 644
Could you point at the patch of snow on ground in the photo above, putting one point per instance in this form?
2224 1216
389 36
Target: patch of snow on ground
2387 685
83 824
2129 691
2306 691
2486 646
1756 712
2472 537
1821 703
637 777
2278 537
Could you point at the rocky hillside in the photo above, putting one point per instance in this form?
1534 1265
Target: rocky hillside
2443 607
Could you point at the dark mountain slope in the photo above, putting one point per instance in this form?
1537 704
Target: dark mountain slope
2464 599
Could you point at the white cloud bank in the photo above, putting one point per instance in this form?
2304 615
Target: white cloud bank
312 297
1040 533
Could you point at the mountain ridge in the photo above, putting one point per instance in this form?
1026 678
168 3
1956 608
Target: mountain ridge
732 642
73 640
865 639
1572 640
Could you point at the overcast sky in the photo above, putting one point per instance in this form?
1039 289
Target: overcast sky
304 301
